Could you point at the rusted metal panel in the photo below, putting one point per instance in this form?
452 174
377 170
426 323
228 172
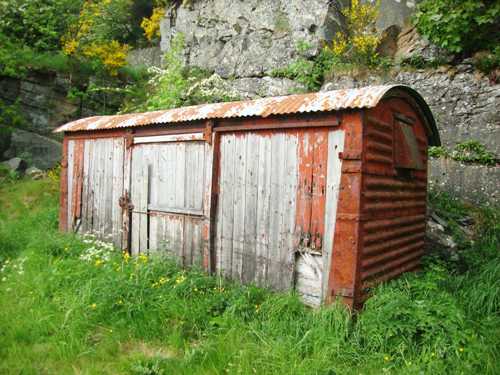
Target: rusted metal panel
342 278
393 203
366 97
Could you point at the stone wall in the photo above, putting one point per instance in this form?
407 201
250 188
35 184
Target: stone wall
241 39
42 98
464 102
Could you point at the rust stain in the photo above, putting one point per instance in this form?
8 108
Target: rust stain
366 97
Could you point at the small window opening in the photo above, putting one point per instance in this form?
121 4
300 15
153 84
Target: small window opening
406 153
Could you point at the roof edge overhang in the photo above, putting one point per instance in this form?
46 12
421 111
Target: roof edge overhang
329 101
430 123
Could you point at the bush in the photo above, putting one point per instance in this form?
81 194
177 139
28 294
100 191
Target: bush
460 26
38 24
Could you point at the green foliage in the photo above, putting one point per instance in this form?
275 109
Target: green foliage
10 117
176 85
488 61
306 71
80 306
38 24
460 26
468 151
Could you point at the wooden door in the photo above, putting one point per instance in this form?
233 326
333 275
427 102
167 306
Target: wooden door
271 203
167 183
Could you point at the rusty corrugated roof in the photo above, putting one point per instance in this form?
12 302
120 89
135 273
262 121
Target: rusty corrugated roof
365 97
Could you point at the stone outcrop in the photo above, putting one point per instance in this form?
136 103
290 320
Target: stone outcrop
475 183
36 150
42 98
464 103
249 38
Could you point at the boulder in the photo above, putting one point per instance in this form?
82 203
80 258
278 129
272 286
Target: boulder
35 173
16 165
250 38
253 88
38 151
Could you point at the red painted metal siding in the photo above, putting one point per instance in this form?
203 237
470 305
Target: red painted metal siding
393 200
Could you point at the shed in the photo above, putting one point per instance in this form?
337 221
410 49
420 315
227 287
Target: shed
324 193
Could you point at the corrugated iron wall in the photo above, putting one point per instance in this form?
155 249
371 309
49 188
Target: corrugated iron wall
393 202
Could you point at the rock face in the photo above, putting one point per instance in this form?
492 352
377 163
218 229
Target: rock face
250 38
465 104
38 151
42 98
144 57
476 183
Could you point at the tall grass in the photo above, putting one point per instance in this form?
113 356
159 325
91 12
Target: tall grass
69 306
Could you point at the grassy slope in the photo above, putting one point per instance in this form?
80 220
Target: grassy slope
110 314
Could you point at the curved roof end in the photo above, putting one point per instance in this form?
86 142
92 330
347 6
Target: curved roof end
426 113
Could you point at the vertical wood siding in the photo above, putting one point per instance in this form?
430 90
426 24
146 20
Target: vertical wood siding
311 282
256 211
102 188
167 191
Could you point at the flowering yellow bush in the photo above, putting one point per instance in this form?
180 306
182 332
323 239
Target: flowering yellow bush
97 32
151 25
359 42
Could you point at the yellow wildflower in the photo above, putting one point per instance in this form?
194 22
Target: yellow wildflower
98 262
151 25
93 306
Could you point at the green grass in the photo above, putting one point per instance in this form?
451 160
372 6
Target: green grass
107 314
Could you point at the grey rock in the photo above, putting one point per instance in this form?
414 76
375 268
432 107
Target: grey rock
39 151
465 104
395 12
35 173
249 38
16 165
145 57
252 88
436 234
389 41
411 45
475 183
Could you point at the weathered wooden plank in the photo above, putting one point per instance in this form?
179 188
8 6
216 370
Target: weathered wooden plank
289 243
117 191
334 168
144 200
91 187
85 187
238 235
180 172
97 165
309 273
108 190
63 199
263 210
170 138
249 265
227 207
276 211
70 170
126 191
136 198
319 172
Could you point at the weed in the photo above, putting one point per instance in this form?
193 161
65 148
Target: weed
74 304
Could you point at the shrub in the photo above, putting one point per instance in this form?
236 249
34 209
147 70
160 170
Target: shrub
101 32
460 26
469 152
38 24
358 43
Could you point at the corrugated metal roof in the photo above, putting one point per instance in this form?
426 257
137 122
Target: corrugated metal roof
365 97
